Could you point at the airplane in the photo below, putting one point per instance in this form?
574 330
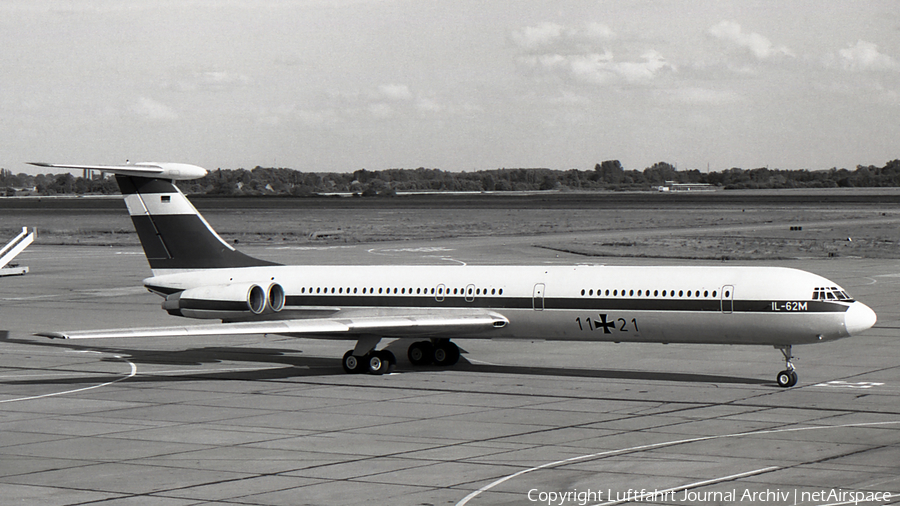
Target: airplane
201 276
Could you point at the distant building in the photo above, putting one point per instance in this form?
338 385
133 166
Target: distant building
672 186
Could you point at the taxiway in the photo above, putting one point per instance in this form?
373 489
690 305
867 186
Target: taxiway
271 420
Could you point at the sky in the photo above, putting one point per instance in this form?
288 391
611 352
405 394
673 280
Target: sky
341 85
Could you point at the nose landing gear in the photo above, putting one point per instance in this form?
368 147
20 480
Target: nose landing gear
788 377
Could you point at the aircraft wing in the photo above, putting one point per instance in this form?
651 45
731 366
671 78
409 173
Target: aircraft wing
456 324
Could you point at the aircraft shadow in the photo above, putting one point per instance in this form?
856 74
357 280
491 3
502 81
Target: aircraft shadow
294 365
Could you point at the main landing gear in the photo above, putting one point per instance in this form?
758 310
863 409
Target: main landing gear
788 377
440 352
364 358
375 362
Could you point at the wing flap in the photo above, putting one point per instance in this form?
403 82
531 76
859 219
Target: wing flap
339 328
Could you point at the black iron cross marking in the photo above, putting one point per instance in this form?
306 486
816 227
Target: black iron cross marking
605 324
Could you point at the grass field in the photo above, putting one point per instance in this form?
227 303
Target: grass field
737 225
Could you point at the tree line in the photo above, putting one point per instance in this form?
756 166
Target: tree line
608 175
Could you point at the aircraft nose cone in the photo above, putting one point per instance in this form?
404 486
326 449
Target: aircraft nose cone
859 317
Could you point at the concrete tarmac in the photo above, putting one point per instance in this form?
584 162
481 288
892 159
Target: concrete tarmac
268 420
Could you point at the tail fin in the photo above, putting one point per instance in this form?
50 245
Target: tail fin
174 235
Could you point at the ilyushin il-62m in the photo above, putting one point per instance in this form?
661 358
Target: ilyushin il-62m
200 276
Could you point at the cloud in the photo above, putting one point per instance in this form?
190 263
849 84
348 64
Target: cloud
761 47
382 102
597 68
547 37
205 80
581 54
535 37
395 92
152 110
865 56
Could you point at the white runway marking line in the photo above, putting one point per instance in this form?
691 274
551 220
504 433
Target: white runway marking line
653 446
172 372
846 384
132 374
689 486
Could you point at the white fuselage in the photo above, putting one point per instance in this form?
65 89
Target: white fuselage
724 305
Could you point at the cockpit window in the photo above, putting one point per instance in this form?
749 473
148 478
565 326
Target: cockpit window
830 293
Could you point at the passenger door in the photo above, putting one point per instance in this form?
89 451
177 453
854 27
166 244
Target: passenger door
727 299
538 297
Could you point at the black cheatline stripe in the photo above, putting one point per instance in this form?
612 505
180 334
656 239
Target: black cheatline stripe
500 303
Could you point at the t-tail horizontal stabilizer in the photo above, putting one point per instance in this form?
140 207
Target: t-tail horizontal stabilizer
175 237
166 170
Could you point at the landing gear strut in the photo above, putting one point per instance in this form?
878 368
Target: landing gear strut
440 352
788 377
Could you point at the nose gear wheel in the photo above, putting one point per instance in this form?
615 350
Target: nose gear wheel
788 377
